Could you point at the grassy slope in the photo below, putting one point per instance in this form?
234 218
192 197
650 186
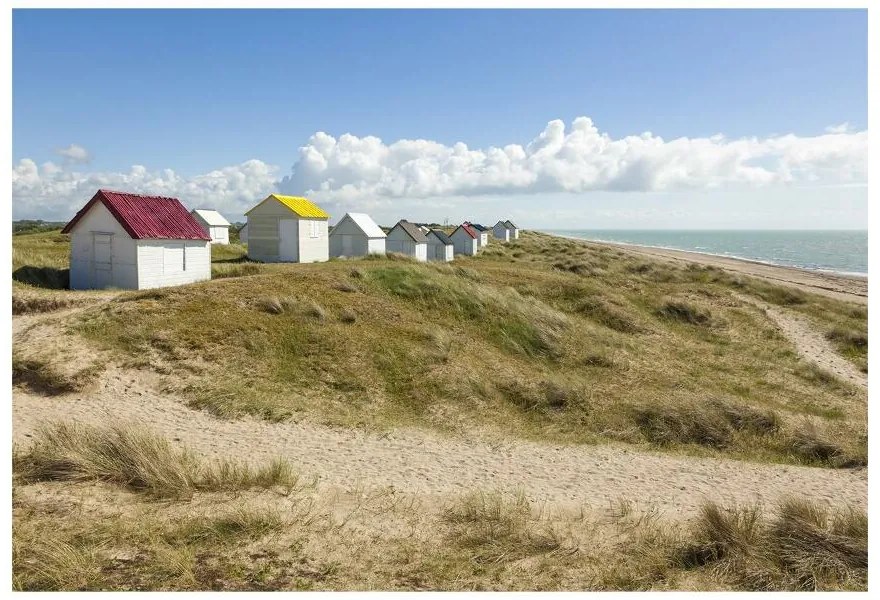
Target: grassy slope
542 338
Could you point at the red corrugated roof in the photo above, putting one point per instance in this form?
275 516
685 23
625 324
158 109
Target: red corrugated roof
146 217
469 230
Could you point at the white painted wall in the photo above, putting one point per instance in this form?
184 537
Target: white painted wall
399 241
288 248
347 239
123 266
464 244
439 251
162 263
314 241
219 234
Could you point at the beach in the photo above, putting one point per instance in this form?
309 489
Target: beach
834 285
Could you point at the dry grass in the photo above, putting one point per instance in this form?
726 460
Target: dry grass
43 376
437 345
480 541
132 457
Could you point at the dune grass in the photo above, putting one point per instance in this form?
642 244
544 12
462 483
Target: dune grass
483 540
604 347
138 460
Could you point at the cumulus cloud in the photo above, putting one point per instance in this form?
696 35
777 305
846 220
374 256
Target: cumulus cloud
577 159
842 128
74 154
52 192
366 173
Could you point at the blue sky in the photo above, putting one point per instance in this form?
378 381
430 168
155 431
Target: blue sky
196 91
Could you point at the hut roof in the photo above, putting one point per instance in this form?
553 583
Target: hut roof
145 217
303 207
212 217
467 229
412 231
366 224
440 235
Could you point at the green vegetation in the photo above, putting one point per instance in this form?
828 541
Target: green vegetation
541 338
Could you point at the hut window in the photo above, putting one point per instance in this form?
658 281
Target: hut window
314 229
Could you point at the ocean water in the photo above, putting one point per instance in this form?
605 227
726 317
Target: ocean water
836 251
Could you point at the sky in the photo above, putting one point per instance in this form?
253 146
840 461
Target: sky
556 119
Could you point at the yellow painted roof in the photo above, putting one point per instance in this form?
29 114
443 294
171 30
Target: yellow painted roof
301 206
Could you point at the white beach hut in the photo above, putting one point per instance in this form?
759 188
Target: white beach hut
131 241
482 234
513 229
501 232
408 239
440 247
214 224
356 234
287 229
465 239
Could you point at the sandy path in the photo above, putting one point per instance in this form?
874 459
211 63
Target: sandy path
852 289
425 463
811 344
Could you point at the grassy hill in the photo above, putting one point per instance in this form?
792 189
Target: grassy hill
543 338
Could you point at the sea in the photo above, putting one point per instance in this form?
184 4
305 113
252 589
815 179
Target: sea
843 252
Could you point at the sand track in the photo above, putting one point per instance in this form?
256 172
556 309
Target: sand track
811 344
425 463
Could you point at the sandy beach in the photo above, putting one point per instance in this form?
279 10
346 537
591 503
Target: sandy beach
834 285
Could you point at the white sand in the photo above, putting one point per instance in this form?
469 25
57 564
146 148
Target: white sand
425 463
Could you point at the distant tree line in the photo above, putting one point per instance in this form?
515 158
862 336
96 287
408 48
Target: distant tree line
35 226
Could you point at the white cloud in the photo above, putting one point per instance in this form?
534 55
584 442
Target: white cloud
842 128
74 154
578 159
50 192
365 173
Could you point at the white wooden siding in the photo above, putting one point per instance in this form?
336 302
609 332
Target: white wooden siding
123 268
163 263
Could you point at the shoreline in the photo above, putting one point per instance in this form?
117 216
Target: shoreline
842 286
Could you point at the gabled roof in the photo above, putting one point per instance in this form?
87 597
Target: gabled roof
211 217
145 217
440 235
479 227
509 223
365 224
467 229
303 207
412 231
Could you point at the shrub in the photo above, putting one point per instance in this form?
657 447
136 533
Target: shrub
345 286
684 312
348 316
686 425
495 528
139 460
607 315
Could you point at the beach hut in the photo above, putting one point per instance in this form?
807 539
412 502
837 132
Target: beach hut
408 239
356 235
440 247
513 229
214 224
501 232
136 242
482 234
465 239
242 234
287 229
